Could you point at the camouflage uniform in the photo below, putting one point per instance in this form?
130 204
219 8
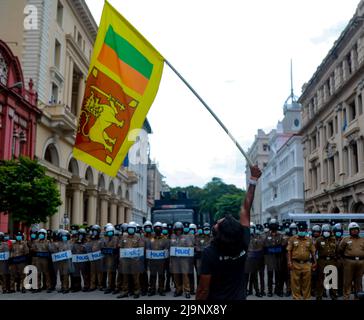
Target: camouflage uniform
41 254
109 248
18 260
181 266
131 264
254 263
156 266
96 264
4 266
273 259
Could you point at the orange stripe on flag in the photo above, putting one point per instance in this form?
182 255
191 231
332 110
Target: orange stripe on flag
129 76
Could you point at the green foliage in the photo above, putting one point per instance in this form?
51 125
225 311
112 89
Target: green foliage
26 192
216 197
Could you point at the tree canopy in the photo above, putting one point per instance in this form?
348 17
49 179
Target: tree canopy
26 192
216 198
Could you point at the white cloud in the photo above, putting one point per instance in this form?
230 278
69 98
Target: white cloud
236 54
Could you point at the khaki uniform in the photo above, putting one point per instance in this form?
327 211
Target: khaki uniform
4 266
109 249
202 241
80 268
326 255
181 266
64 267
144 281
286 274
301 249
352 250
41 254
254 263
273 259
96 266
340 269
18 260
131 262
156 248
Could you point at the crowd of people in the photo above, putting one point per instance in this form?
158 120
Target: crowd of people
295 258
125 259
135 260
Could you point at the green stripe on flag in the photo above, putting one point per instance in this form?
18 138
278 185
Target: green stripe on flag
128 53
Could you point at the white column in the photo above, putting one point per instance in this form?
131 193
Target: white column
76 206
70 83
56 218
121 217
91 207
360 143
104 207
113 212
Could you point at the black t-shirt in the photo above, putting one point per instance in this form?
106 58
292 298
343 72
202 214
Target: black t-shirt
227 273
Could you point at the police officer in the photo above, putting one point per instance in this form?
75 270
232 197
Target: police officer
19 254
326 255
181 258
285 271
62 259
300 252
254 261
193 232
157 253
144 281
110 246
41 255
131 260
338 232
166 228
4 263
259 230
52 237
94 247
352 250
273 251
81 265
202 240
316 233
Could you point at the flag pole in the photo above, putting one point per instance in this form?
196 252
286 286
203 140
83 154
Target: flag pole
211 112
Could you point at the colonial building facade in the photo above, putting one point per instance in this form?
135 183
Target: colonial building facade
259 154
18 113
282 179
55 49
333 125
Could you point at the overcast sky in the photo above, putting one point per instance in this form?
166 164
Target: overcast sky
236 54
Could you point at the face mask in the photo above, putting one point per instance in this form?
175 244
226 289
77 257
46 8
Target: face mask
109 233
18 238
326 234
148 230
41 236
192 231
206 232
338 234
33 236
185 230
301 233
286 231
165 232
94 232
64 238
294 232
131 231
199 231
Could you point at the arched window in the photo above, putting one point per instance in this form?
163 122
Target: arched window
73 167
51 155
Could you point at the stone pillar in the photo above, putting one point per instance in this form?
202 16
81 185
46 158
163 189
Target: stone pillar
70 83
56 218
121 213
113 211
104 207
360 144
91 206
336 167
77 205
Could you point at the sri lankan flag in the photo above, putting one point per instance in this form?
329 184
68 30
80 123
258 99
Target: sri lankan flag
122 82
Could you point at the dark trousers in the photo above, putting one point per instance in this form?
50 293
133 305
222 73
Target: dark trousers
277 281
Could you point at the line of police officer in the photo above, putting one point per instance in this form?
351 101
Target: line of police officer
125 259
297 260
